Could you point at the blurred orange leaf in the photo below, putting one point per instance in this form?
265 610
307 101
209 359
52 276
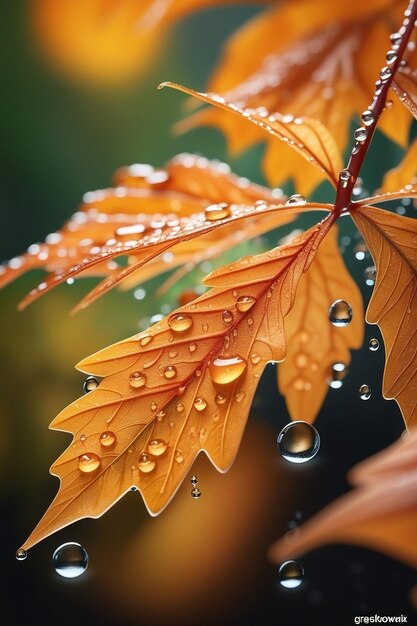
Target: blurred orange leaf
405 86
183 386
314 344
405 173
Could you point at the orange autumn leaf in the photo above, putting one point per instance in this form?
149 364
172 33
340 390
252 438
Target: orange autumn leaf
405 173
306 136
145 203
405 86
381 513
184 386
391 240
314 344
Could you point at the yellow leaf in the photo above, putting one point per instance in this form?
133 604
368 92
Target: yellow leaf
404 173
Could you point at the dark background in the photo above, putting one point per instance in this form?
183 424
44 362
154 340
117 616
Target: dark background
201 562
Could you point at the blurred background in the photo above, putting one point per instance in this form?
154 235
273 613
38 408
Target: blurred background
202 562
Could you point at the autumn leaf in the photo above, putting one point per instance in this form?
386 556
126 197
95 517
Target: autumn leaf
145 203
314 344
183 386
405 86
381 513
391 239
306 136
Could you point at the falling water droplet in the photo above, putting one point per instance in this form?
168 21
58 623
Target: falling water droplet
364 392
70 560
157 447
225 370
90 384
21 554
296 199
373 344
227 317
360 134
194 480
340 313
338 372
137 380
370 275
298 442
200 404
368 118
195 493
244 303
180 323
88 462
216 212
291 574
170 371
107 439
146 463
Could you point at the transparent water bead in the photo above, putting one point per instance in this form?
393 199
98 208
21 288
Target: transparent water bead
337 375
180 323
70 560
194 480
373 344
340 313
88 462
90 384
21 554
364 392
298 442
107 439
195 493
291 574
225 370
370 275
368 118
345 177
296 199
360 134
216 212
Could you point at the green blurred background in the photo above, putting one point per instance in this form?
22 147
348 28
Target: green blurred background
60 139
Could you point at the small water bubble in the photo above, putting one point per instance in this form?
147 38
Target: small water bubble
338 372
90 384
227 317
137 380
298 442
194 480
200 404
178 456
195 493
370 275
107 439
373 344
170 371
88 462
180 407
340 313
364 392
220 399
146 463
21 554
180 323
368 118
70 560
153 406
296 198
291 574
360 134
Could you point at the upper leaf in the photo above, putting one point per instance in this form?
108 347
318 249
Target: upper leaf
392 239
405 86
405 173
183 386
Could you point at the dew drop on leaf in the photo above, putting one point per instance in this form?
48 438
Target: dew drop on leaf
107 439
200 404
373 344
21 554
298 442
157 447
227 317
291 574
178 456
340 313
244 303
144 340
88 462
90 384
364 392
180 323
137 380
225 370
170 371
216 212
70 560
220 399
296 199
146 463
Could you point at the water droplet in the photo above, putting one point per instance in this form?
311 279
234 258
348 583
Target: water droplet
244 303
70 560
137 380
225 370
368 118
154 406
385 73
170 371
220 399
146 463
255 358
337 374
360 134
216 212
200 404
340 313
389 103
364 392
192 347
194 480
373 344
180 323
21 554
391 57
160 416
227 317
144 340
370 275
205 327
156 447
298 442
180 407
178 456
88 462
90 384
296 199
195 493
360 251
345 177
291 574
107 439
83 437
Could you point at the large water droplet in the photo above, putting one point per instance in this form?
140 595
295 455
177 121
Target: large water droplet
180 323
90 384
137 380
107 439
21 554
227 317
216 212
370 275
244 303
296 199
368 118
200 404
340 313
291 574
70 560
298 442
88 462
373 344
146 463
364 392
157 447
195 493
338 372
225 370
170 371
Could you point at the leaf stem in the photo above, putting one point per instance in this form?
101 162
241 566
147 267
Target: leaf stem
348 177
